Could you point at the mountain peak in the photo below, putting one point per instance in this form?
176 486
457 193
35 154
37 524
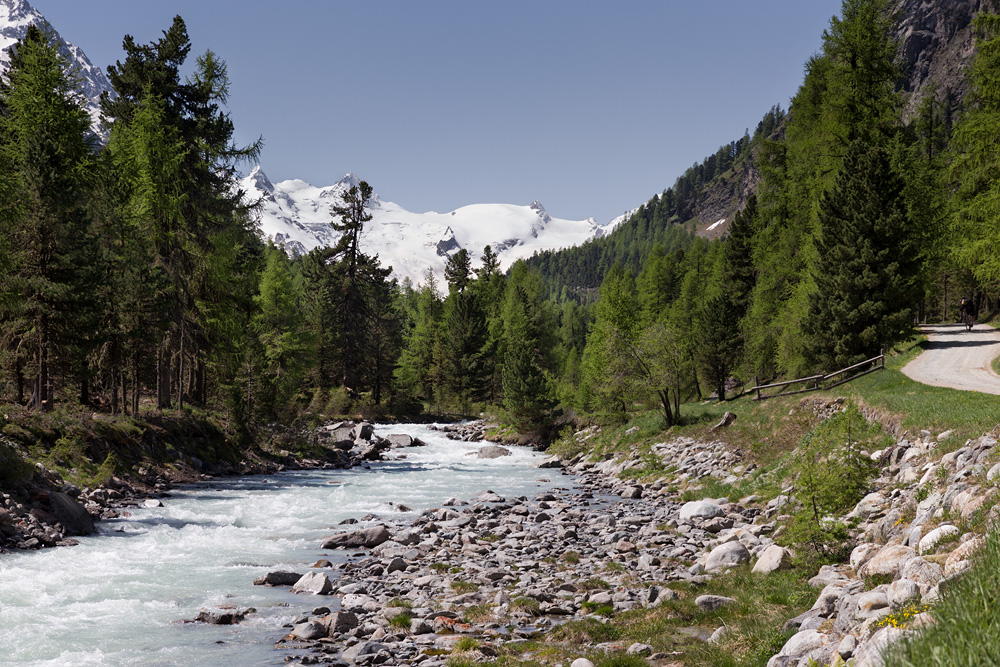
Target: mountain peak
350 180
260 180
537 207
16 11
15 17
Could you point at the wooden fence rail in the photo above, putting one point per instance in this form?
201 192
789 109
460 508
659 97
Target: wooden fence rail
818 382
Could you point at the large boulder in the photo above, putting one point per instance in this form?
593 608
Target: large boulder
316 583
360 650
725 556
712 602
339 622
930 541
373 451
309 631
71 514
492 452
363 431
700 509
358 539
277 579
772 558
399 440
341 436
223 616
889 560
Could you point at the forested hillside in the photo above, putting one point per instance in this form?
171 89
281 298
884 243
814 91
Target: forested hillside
133 278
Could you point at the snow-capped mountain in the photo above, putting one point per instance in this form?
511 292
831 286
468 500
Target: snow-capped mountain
297 215
16 16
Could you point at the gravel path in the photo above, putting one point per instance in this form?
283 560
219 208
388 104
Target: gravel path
958 358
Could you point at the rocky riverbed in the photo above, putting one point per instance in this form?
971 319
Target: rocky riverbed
480 573
494 570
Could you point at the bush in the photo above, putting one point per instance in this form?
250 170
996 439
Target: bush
832 475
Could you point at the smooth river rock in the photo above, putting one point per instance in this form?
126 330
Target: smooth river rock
358 539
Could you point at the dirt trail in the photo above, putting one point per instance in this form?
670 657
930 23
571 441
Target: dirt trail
958 358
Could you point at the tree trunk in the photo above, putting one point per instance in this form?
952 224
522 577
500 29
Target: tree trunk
162 375
19 381
42 396
665 401
180 372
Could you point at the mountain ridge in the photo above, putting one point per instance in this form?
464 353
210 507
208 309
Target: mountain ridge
15 18
297 215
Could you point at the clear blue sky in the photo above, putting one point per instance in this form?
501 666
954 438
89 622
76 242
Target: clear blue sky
589 107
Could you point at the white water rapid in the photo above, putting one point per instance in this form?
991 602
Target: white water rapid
121 597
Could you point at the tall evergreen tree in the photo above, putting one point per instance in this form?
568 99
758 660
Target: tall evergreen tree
866 273
975 171
45 152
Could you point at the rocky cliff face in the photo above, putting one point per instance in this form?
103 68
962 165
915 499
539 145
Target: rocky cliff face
937 45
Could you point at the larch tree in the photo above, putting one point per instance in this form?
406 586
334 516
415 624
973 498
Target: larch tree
45 151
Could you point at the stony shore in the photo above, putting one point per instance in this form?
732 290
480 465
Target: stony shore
494 571
480 573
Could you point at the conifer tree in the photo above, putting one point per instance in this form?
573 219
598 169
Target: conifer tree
45 151
975 170
866 273
417 373
527 342
280 326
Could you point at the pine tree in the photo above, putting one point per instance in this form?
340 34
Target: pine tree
45 151
527 342
458 270
866 274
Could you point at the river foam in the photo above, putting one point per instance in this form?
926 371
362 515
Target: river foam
121 597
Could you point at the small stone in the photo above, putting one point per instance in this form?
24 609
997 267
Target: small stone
712 602
845 649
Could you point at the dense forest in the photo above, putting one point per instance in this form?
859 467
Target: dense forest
133 277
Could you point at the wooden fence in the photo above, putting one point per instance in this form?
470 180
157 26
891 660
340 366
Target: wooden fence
818 382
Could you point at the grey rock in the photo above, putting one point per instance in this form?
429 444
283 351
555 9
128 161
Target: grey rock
316 583
726 555
700 509
71 514
901 592
358 651
845 649
339 622
492 452
358 539
363 431
223 616
712 602
309 631
772 558
277 579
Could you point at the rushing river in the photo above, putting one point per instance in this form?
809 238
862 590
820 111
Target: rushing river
120 597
